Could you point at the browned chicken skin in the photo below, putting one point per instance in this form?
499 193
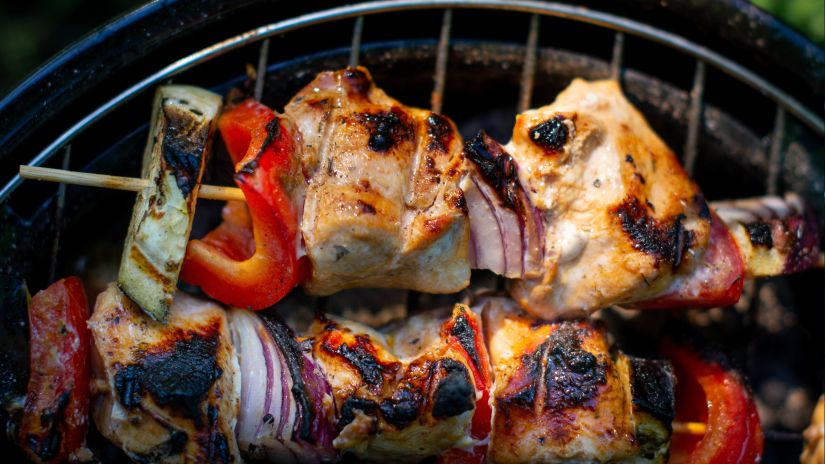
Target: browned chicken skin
165 393
383 207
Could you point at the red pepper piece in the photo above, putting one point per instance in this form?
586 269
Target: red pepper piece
56 413
252 263
709 392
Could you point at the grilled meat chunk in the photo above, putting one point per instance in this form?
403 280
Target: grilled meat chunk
383 207
165 392
620 216
561 395
775 235
402 395
183 121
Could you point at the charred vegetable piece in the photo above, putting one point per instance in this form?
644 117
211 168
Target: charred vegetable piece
709 391
55 417
183 121
252 262
775 235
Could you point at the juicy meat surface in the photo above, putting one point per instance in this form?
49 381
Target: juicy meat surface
401 395
621 217
165 393
383 207
561 394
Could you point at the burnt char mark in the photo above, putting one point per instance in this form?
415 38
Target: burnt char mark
355 403
454 394
361 356
572 375
652 387
497 168
386 128
285 339
402 408
215 443
175 445
522 389
666 241
182 148
760 234
273 133
551 135
457 201
46 443
463 331
358 82
159 374
439 132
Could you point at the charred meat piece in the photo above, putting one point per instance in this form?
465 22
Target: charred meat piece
562 395
183 121
383 207
617 218
165 392
401 395
775 235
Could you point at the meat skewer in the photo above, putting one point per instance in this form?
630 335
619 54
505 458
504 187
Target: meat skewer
584 208
214 385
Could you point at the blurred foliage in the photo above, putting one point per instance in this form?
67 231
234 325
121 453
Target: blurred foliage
807 16
34 30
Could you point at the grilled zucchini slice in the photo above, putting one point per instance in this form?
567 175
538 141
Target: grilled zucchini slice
183 122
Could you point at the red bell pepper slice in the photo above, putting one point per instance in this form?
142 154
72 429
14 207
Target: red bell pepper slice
479 363
56 412
252 263
709 392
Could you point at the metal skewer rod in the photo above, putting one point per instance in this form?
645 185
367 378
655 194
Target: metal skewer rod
132 184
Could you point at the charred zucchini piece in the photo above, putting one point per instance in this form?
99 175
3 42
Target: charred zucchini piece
180 136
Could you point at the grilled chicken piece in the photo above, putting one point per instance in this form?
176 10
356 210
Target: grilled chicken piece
383 207
775 235
183 121
619 219
165 393
404 395
561 395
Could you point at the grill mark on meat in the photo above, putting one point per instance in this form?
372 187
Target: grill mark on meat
550 135
667 241
760 234
157 372
522 389
182 147
361 356
386 128
355 403
652 386
215 443
454 394
457 201
439 133
572 375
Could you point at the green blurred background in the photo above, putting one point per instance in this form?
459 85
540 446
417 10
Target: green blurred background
32 31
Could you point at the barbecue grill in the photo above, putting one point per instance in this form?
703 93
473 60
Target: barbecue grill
737 93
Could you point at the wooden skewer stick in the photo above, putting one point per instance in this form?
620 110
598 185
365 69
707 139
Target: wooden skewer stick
691 428
132 184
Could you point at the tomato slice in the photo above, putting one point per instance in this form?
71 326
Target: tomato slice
56 412
250 261
710 392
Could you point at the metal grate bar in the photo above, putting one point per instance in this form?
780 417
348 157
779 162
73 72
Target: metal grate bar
617 58
571 12
528 73
695 118
260 73
776 153
355 48
440 76
58 216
